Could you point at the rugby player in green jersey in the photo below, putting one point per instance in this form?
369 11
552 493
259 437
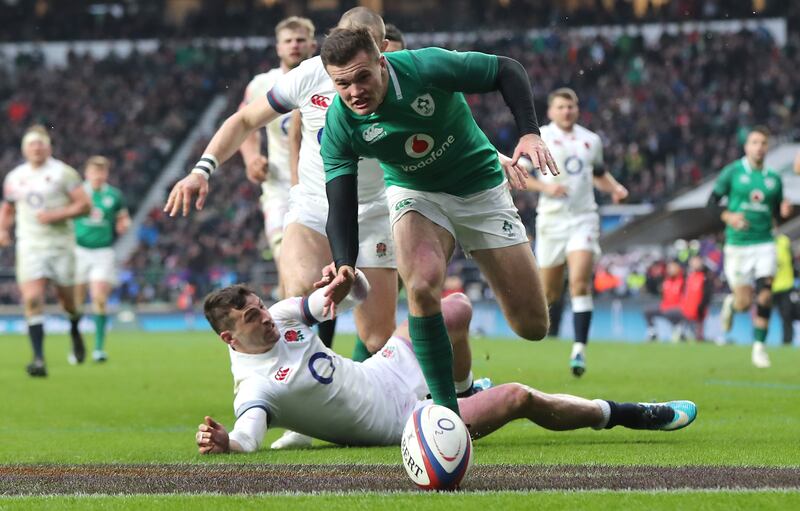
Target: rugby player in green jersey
755 194
96 266
444 180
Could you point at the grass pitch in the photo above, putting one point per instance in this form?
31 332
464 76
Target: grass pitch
143 407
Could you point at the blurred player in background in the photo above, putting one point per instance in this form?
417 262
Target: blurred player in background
395 37
285 377
95 234
295 43
42 196
755 195
567 222
783 292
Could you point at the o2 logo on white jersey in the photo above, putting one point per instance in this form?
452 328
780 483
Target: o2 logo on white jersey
35 200
321 367
419 145
573 165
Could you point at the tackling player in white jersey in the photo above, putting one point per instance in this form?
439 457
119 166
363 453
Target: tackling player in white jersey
285 377
294 42
43 195
567 222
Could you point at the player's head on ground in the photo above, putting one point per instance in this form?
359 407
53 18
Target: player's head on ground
96 171
562 108
35 145
294 40
394 36
354 63
756 145
362 17
241 319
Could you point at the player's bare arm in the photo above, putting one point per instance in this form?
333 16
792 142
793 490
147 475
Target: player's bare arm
7 212
295 137
122 223
256 164
79 205
607 183
223 145
552 189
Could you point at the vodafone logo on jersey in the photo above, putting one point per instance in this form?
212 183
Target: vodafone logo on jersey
419 145
320 101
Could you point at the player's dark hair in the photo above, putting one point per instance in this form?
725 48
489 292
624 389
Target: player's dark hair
342 45
763 130
218 305
394 34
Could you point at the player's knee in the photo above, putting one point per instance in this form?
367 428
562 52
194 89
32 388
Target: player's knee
532 327
33 304
457 311
99 305
376 338
579 288
552 295
518 398
424 292
742 302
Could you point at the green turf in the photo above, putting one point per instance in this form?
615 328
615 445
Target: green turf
144 404
602 501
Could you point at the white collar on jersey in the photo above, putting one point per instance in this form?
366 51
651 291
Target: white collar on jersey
397 91
748 168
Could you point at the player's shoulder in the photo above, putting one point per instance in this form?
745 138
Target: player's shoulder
586 134
310 70
19 170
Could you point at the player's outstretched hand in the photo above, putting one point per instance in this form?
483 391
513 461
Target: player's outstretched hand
534 148
212 438
786 209
5 238
328 274
180 198
338 289
736 220
257 169
515 174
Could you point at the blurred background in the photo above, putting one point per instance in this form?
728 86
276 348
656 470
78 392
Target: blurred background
671 86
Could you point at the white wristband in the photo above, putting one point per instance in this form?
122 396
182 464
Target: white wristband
198 170
207 163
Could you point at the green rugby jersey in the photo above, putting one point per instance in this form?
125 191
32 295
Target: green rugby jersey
757 194
423 133
96 230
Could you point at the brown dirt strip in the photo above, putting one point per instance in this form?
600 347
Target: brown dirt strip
242 478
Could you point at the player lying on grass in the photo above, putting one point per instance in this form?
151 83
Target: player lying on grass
285 377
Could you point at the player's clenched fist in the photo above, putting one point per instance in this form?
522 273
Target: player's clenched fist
184 191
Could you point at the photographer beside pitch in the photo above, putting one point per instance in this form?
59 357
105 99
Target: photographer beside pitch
285 377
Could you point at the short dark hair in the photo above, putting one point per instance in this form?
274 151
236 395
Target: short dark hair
343 44
759 129
218 305
394 34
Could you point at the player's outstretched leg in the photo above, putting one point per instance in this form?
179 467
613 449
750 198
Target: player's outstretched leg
423 249
489 410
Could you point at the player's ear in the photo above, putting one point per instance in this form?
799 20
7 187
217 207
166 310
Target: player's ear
384 44
227 337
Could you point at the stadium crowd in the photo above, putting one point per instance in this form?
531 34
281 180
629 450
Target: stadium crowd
666 118
153 18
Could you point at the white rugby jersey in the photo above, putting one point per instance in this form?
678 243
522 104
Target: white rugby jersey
576 153
277 131
309 89
34 190
306 387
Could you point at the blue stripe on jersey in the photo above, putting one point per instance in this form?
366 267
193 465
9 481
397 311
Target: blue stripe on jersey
276 104
308 318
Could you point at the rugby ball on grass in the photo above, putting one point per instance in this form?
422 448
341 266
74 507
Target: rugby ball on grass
436 448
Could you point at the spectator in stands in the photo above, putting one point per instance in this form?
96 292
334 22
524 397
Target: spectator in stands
698 290
671 297
784 295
